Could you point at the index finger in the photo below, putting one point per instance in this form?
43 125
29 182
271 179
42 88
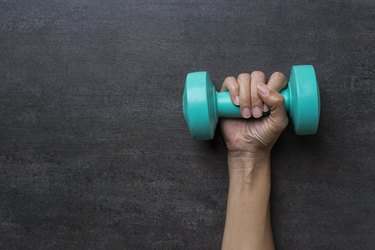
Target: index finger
277 81
230 84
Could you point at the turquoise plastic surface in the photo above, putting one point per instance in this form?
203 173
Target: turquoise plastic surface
302 99
199 106
202 105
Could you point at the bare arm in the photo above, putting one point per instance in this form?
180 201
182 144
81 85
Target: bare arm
249 142
247 224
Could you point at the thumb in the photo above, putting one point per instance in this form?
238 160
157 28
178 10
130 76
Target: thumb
275 101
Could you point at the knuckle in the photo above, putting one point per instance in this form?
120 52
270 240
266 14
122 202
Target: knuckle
228 82
228 79
257 74
233 86
279 100
244 76
278 75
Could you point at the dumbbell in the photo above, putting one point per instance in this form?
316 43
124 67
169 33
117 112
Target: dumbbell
203 105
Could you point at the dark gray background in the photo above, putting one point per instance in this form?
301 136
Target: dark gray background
94 151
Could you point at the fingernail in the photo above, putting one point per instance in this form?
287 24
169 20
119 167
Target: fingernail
237 100
246 113
257 112
263 89
265 108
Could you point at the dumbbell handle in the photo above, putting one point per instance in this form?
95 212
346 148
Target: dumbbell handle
226 108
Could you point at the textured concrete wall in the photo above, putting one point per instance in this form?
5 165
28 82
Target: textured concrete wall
94 152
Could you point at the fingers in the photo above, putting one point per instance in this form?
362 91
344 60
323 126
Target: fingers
257 77
230 84
244 80
275 101
246 91
277 81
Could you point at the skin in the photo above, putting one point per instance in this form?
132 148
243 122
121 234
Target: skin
249 142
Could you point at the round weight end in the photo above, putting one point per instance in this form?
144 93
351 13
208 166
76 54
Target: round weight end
304 100
199 106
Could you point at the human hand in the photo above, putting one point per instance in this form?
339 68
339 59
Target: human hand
255 135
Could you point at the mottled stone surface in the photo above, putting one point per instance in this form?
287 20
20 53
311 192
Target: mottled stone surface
94 153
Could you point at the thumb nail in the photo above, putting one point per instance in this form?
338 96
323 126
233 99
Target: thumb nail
263 89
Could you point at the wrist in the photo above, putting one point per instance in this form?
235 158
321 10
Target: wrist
247 168
248 157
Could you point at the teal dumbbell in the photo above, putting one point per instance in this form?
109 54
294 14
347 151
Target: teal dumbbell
202 105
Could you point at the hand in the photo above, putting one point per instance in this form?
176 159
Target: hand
253 137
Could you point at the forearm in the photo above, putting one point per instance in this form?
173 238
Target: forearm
247 224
